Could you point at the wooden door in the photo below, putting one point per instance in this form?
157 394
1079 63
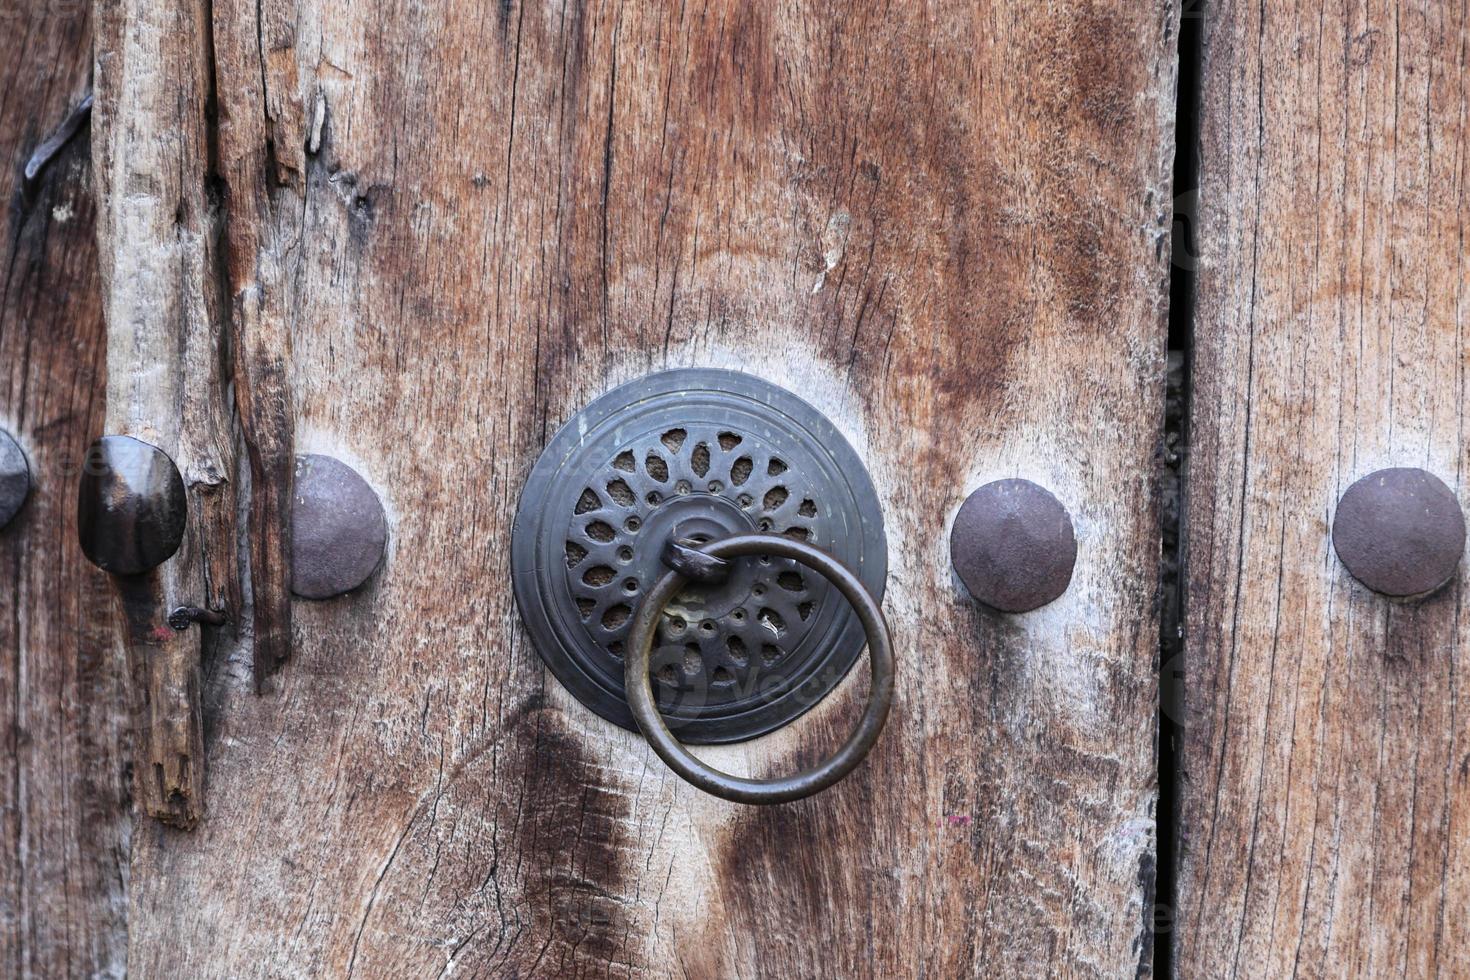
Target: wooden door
430 233
419 237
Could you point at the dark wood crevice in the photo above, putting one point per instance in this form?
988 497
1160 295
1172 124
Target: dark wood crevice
1177 396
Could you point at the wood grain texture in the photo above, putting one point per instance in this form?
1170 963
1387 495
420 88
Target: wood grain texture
63 784
946 226
1326 809
261 144
157 224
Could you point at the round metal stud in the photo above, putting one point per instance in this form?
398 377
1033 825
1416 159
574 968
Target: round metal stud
1400 532
131 506
696 455
15 478
1013 546
339 531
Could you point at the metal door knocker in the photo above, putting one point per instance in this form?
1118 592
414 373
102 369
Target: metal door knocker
700 553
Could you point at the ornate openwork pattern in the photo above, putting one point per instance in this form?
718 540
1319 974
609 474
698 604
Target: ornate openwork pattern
698 482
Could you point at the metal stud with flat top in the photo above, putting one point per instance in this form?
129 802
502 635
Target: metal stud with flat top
1400 532
339 532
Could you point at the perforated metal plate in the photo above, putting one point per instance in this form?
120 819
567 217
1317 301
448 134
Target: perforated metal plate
701 454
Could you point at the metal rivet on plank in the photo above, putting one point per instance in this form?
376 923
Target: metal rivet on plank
1013 546
339 531
1400 532
15 478
131 506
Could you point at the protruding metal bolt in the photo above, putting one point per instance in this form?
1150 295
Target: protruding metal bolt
1013 546
131 506
15 478
1400 532
339 532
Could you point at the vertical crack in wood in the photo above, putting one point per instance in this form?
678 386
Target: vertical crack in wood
266 425
1178 387
256 170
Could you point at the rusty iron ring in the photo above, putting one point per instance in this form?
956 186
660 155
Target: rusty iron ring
739 789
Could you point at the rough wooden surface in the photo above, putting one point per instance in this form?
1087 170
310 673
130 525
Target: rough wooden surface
152 148
944 225
63 786
261 143
1326 809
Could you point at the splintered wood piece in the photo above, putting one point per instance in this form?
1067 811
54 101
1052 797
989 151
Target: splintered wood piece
165 382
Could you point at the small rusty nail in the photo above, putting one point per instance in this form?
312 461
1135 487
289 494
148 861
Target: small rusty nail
52 144
15 478
182 617
339 532
131 507
1013 546
1400 532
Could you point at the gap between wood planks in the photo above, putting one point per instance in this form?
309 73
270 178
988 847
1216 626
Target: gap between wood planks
1178 390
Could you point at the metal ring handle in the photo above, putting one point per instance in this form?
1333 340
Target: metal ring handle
739 789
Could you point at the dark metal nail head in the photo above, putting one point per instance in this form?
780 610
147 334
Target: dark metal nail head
1400 532
15 478
339 532
1013 546
185 616
131 506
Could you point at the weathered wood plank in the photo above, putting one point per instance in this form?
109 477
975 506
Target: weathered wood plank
261 142
1326 817
946 226
156 227
63 784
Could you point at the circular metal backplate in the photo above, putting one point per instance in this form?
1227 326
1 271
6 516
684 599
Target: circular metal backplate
701 454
